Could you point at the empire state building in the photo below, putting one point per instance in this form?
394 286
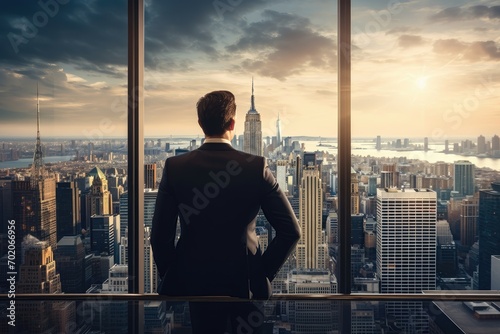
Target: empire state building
252 140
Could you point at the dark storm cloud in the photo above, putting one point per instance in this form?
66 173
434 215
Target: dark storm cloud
92 35
283 45
408 41
191 25
78 32
475 51
471 13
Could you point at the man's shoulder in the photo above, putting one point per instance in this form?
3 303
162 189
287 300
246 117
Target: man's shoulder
249 160
201 154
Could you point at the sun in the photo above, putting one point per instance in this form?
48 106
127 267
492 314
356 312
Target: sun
422 83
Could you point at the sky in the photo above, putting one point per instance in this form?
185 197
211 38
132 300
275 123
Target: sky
419 68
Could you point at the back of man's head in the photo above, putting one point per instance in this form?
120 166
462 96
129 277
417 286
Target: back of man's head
215 111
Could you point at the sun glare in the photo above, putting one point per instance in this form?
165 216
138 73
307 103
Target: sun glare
422 82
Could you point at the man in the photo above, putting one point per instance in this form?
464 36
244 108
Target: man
216 192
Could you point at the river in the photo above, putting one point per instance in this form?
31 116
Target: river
434 154
25 162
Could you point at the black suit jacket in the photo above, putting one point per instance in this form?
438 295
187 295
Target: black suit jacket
216 192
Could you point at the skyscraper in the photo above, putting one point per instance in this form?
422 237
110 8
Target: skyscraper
387 179
150 176
312 316
67 209
389 176
281 175
34 200
99 200
70 257
495 144
406 247
5 204
406 240
149 209
149 206
372 185
309 160
489 232
102 233
37 274
481 144
378 144
112 315
252 141
354 192
150 269
446 255
468 221
312 249
463 178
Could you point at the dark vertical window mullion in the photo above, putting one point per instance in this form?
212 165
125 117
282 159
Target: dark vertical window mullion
135 162
344 138
344 157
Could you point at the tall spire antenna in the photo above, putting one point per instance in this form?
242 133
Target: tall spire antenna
252 102
37 114
278 129
37 173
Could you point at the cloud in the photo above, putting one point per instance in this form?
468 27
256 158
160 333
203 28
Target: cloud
191 25
408 41
401 30
471 13
90 34
475 51
282 45
63 102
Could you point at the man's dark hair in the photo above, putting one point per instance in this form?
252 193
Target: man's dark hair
215 111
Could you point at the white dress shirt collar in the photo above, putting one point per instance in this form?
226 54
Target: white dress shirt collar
216 140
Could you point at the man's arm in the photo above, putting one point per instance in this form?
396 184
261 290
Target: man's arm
280 215
164 226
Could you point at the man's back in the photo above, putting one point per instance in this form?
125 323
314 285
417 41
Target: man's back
218 192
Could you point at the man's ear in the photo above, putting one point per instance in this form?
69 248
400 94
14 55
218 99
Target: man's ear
231 124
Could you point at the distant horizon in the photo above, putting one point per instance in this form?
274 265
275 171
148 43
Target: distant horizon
191 137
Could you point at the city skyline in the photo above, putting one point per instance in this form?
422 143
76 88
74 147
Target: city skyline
406 63
393 256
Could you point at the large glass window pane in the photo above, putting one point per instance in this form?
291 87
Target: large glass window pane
424 112
279 59
62 153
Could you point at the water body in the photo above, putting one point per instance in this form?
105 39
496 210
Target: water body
434 154
357 148
26 162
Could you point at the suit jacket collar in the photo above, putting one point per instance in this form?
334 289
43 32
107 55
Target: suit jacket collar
216 147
